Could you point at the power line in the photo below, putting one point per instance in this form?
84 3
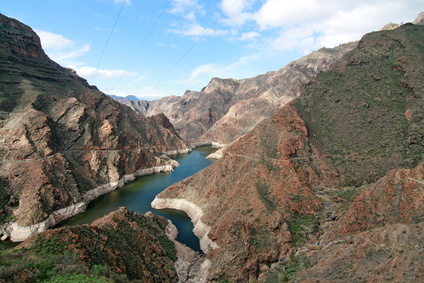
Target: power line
194 45
111 32
150 31
144 41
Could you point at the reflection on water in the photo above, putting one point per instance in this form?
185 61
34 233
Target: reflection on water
138 196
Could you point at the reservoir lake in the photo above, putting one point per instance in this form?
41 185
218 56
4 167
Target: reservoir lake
138 195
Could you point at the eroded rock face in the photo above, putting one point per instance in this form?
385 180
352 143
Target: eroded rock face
60 137
247 195
395 198
389 254
266 199
226 108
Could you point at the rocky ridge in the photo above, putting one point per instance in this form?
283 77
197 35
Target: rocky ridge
121 246
286 193
226 108
60 138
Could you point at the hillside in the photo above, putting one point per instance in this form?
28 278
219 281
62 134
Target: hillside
120 247
62 141
226 108
284 194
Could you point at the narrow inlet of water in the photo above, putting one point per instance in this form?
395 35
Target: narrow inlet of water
137 196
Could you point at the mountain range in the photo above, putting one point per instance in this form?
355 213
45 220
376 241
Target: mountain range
226 108
328 187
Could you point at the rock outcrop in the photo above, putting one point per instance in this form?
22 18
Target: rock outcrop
61 138
121 246
226 108
282 186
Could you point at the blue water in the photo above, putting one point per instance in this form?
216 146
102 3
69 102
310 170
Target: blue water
138 196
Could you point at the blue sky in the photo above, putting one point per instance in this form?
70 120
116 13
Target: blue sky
165 47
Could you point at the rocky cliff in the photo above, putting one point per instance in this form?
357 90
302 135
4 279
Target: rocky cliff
284 194
61 138
226 108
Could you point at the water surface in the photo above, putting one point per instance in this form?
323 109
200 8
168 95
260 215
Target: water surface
137 196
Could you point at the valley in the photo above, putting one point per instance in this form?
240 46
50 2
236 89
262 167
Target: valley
320 178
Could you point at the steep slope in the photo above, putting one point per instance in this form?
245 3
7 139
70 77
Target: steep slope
122 246
194 112
60 138
226 109
379 238
278 188
262 96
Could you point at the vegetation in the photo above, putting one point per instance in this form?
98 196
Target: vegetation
289 269
364 128
122 248
264 194
300 226
28 265
7 202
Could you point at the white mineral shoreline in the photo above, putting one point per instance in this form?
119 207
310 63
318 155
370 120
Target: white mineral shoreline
213 144
190 266
201 230
17 233
178 151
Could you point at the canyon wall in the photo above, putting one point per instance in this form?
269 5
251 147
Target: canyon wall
284 194
60 137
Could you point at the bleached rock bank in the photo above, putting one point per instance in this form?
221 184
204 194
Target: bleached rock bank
190 265
213 144
17 233
201 230
178 151
216 155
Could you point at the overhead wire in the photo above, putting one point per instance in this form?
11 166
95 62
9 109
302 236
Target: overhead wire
110 35
193 46
148 34
144 41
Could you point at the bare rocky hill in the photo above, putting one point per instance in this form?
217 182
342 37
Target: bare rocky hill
226 108
313 187
61 138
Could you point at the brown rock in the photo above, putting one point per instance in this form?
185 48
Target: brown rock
60 137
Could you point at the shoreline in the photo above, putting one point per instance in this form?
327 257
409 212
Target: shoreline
200 230
212 144
16 233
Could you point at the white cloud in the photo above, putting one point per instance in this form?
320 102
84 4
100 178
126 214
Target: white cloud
307 25
208 69
277 13
60 48
234 9
186 7
61 56
53 41
190 26
196 30
249 36
89 72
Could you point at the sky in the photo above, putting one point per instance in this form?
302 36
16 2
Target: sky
156 48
